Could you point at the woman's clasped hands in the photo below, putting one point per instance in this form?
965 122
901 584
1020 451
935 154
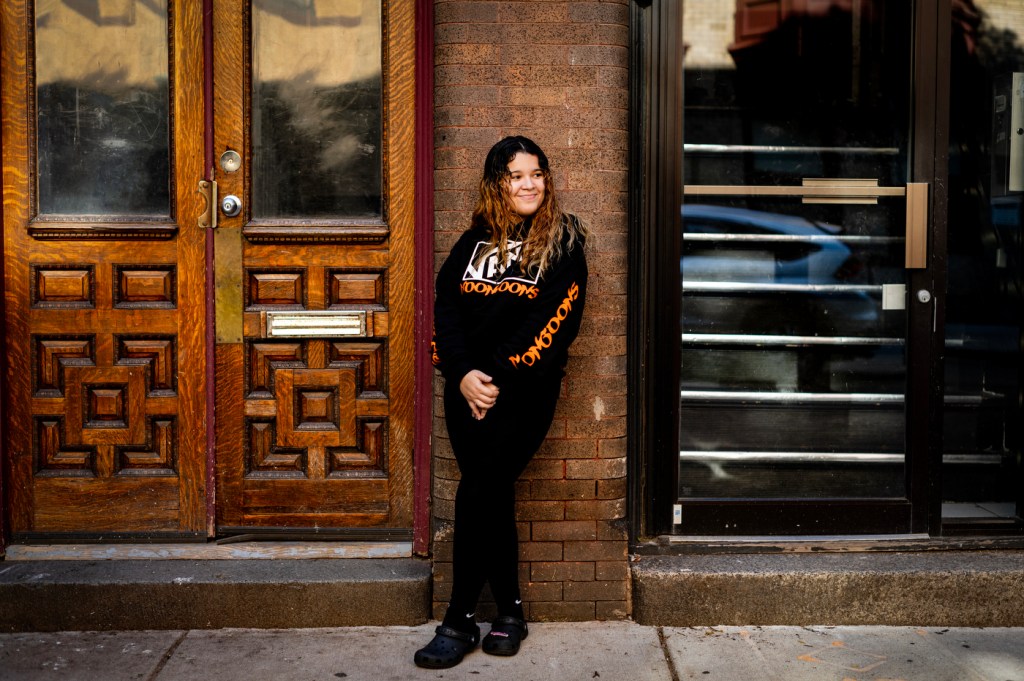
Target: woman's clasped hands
479 391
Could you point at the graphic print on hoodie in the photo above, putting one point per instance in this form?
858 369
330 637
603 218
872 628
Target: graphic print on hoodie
512 325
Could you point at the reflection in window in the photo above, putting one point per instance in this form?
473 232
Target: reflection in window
316 114
102 107
983 418
792 373
776 91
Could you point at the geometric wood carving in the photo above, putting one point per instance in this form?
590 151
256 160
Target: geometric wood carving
54 456
156 354
316 409
278 289
326 391
106 406
368 361
265 359
52 354
264 458
158 456
63 286
368 458
356 288
137 287
313 410
108 419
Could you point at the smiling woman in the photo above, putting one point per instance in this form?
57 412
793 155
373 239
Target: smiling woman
503 355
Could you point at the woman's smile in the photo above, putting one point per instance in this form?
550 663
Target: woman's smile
525 184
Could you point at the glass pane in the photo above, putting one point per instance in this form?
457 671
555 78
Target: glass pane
316 108
793 371
102 107
982 473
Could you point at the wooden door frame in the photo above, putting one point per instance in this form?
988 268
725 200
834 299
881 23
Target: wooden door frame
209 313
423 261
3 369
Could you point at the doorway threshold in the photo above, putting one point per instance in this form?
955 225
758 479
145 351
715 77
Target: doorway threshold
249 550
676 544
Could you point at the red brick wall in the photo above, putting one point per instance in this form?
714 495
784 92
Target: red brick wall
557 73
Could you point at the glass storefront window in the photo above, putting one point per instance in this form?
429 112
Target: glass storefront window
983 409
793 368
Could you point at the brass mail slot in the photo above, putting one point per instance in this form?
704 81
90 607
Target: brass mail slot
316 324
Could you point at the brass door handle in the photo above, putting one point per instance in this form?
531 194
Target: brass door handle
844 191
208 190
917 226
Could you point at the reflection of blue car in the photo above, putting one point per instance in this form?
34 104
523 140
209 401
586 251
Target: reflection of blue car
772 273
726 244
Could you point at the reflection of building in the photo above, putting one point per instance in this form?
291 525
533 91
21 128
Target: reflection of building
266 380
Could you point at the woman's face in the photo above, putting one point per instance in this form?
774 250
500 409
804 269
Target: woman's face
525 183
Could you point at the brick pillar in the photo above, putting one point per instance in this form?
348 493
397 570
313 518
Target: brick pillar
556 72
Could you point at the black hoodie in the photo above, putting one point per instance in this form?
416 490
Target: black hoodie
509 324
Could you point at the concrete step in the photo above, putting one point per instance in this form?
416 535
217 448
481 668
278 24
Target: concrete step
947 588
72 595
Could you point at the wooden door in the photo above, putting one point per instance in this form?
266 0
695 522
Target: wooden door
104 267
314 119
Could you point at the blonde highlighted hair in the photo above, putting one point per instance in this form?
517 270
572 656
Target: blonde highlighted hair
552 232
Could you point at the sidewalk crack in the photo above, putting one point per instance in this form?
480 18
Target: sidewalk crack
668 656
167 657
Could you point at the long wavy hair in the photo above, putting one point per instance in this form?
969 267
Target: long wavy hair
549 227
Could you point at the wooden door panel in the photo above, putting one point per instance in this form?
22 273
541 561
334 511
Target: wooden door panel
312 431
104 316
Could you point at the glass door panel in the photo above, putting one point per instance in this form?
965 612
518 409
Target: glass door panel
982 473
316 109
794 248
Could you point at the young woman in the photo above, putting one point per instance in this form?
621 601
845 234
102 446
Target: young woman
509 302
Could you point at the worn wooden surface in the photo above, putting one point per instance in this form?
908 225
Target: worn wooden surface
315 432
104 421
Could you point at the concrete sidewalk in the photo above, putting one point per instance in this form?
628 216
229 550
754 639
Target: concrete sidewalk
610 651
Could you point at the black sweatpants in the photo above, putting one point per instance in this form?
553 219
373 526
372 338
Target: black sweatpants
491 454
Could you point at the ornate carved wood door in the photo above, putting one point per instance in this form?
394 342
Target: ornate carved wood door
104 263
104 120
313 117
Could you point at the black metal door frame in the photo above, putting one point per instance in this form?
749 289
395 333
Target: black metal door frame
655 196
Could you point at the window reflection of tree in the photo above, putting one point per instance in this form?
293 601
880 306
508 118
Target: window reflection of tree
317 149
311 12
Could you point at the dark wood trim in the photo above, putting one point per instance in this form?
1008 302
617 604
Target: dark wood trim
211 291
3 373
424 278
321 232
109 537
107 229
230 535
655 199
